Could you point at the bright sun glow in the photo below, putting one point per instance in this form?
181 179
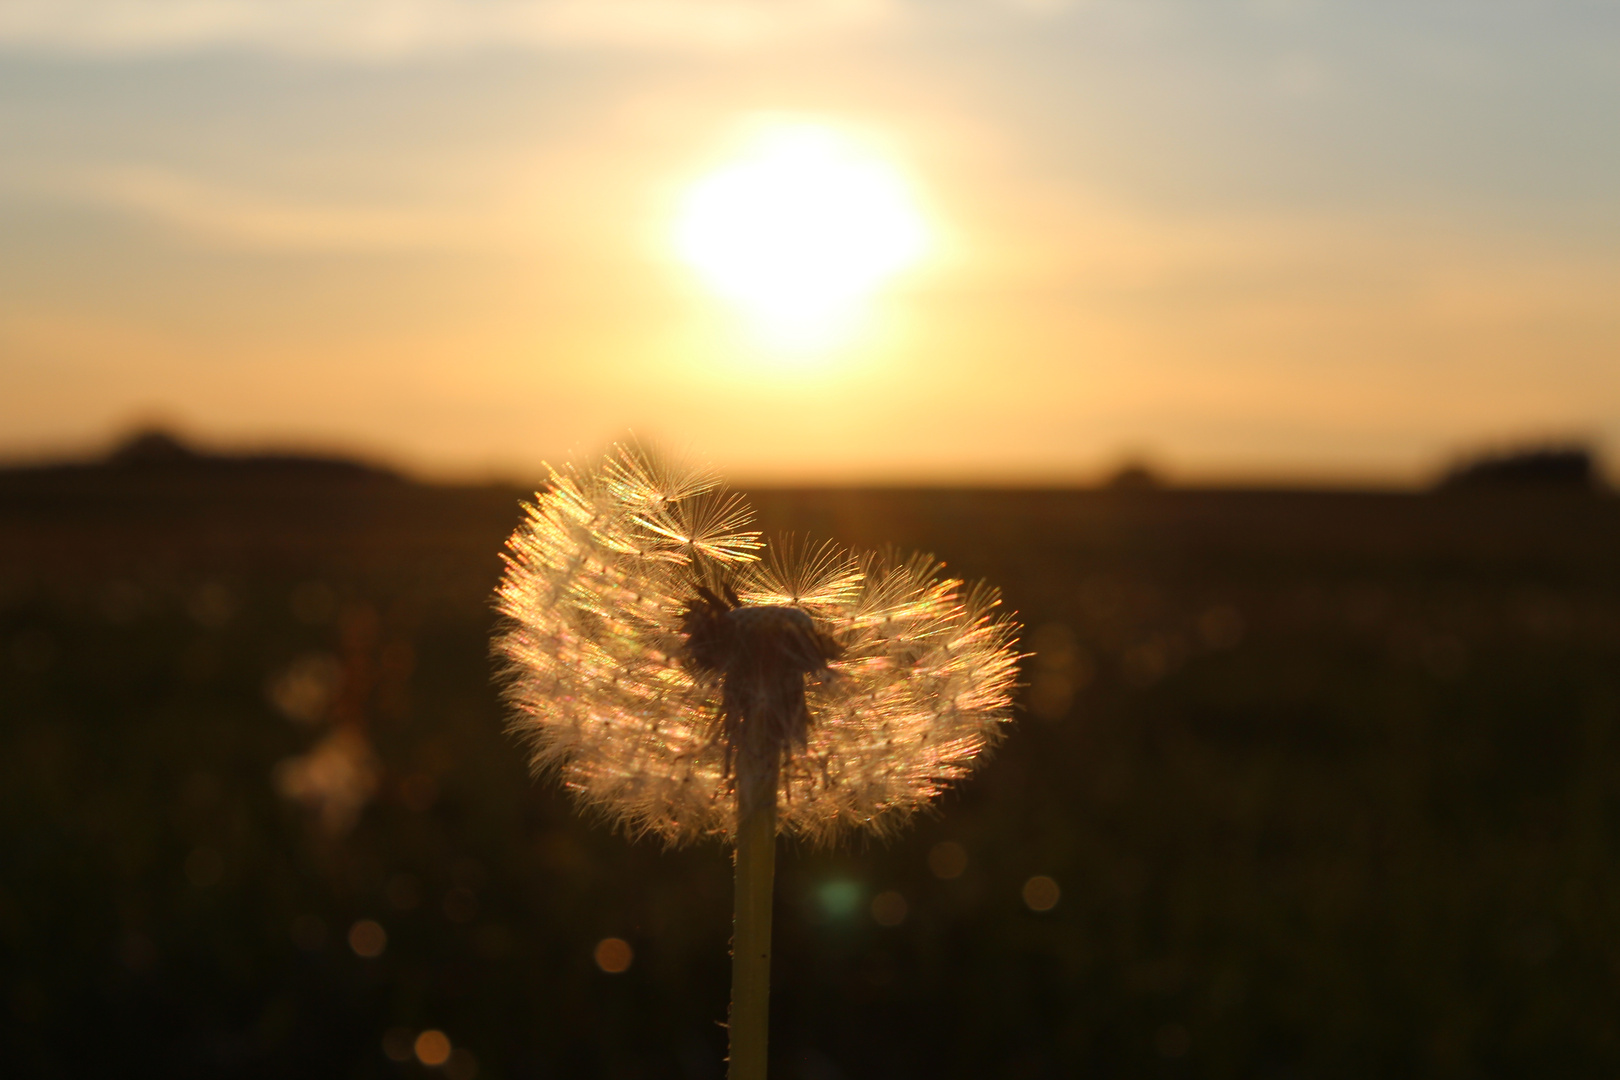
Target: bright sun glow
800 230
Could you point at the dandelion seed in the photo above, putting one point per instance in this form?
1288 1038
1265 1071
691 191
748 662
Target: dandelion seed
646 634
684 686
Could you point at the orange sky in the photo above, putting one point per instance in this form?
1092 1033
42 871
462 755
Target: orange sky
1243 240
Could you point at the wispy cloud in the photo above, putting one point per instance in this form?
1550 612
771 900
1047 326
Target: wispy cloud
231 217
381 29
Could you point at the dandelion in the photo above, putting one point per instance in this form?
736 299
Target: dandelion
685 681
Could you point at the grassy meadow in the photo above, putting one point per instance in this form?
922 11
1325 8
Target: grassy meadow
1326 782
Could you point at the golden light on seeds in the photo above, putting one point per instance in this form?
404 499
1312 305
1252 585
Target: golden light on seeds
599 583
613 955
800 230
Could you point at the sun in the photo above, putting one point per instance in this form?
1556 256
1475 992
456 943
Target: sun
800 230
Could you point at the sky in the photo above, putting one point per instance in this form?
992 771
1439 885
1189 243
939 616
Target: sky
1261 240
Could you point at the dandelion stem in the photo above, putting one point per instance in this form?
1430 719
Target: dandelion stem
751 930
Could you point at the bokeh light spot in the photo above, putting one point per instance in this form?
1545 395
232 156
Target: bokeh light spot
889 908
614 955
947 859
368 939
304 692
1060 668
398 1044
433 1047
1041 893
839 899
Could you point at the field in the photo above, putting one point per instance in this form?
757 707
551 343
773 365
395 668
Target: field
1326 782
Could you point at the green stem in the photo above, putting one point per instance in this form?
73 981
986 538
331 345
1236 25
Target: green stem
751 931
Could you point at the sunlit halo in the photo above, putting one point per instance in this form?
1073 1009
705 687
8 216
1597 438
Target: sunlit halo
800 230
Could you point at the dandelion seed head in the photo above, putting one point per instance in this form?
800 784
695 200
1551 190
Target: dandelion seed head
652 637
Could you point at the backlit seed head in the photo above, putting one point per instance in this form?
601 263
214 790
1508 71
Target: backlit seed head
648 645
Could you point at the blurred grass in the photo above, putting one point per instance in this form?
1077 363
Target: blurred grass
1326 781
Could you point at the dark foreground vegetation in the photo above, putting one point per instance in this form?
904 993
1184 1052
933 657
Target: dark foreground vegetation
1327 782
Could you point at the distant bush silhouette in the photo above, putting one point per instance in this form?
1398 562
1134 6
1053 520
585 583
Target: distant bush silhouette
152 447
1569 467
1134 476
155 449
